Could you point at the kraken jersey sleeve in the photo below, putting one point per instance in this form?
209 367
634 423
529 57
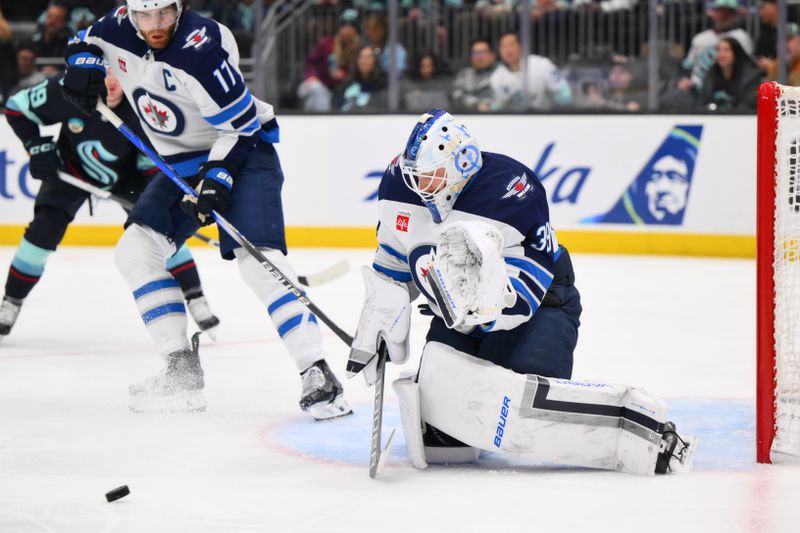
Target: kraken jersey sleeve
40 105
190 96
504 194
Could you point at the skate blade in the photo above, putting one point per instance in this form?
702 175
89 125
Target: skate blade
328 411
184 402
685 464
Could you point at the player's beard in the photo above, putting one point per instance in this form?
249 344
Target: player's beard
159 38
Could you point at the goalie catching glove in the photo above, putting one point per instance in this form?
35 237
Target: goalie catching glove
468 277
213 192
385 318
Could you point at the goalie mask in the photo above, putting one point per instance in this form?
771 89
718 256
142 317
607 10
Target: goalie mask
439 159
147 15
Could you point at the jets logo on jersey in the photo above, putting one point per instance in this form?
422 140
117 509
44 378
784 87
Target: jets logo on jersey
160 115
517 187
196 39
401 223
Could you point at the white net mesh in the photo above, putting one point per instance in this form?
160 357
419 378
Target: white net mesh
786 445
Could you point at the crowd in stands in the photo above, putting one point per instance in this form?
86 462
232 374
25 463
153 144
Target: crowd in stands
472 59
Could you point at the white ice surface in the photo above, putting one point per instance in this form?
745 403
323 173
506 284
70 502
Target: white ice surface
683 328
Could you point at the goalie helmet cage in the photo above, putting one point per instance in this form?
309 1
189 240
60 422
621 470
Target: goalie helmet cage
778 275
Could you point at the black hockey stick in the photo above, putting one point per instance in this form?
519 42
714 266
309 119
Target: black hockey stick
222 222
108 195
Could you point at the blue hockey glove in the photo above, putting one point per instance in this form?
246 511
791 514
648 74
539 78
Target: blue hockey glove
84 81
213 192
45 160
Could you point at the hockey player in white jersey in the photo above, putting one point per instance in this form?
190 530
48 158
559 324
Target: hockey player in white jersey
180 74
470 231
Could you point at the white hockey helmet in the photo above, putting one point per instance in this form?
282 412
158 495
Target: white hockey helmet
438 141
137 6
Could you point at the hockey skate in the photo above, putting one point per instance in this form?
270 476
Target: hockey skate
322 393
676 453
177 388
9 311
202 316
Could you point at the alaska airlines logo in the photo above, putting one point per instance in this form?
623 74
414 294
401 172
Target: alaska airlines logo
196 39
518 187
160 115
660 192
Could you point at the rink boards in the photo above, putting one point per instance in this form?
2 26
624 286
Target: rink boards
656 184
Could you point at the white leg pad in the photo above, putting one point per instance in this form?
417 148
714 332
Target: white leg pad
552 421
296 325
141 255
407 391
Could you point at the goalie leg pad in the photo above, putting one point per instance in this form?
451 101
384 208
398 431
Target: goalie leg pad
407 391
555 421
141 255
296 325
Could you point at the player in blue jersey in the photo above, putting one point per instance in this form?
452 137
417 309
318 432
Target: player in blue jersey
180 73
470 231
89 148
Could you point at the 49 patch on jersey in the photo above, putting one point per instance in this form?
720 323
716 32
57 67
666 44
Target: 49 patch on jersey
160 115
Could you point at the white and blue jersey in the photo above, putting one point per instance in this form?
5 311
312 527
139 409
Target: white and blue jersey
190 96
503 193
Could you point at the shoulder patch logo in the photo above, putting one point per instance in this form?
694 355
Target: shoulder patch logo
401 223
517 187
120 14
196 39
123 66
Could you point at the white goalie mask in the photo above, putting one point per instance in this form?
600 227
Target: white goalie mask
146 15
440 158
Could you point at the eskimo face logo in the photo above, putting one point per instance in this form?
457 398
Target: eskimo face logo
160 115
668 187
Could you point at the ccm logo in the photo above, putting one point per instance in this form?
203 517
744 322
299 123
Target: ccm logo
401 224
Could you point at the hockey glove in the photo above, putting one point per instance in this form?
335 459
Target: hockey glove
45 160
84 81
213 192
469 278
385 317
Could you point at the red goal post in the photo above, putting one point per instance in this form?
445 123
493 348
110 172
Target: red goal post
778 274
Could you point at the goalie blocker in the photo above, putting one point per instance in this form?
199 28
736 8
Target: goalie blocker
548 420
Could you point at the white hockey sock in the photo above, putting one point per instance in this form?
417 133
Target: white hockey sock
140 256
296 325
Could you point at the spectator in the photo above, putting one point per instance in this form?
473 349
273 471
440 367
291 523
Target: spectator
547 86
472 90
80 18
8 60
732 81
767 33
365 88
613 92
703 53
98 8
26 66
328 63
793 57
376 30
237 15
51 38
426 87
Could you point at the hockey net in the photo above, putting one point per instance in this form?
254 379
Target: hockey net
778 267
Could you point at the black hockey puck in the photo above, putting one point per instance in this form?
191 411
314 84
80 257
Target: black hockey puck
116 494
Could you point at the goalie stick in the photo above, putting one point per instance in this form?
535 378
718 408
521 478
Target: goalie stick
326 275
123 128
377 457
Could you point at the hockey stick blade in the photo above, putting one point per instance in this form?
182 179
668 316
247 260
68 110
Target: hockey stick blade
386 451
325 275
377 413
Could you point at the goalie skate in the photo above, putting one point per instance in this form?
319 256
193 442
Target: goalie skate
202 316
676 453
9 311
177 388
322 393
